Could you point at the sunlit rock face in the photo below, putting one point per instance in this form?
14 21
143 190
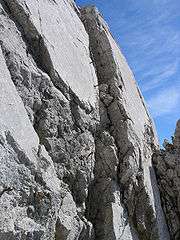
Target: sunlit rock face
125 142
167 166
76 139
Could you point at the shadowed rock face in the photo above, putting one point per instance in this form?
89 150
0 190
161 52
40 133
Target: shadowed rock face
167 166
76 140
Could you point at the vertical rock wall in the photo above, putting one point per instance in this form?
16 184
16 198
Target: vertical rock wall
125 141
76 140
29 188
63 117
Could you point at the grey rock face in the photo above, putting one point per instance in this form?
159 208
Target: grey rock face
167 165
76 140
124 177
30 190
63 122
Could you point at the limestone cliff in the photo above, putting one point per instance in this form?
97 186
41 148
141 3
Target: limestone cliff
76 139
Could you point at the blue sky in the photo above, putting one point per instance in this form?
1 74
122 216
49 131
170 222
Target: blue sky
148 33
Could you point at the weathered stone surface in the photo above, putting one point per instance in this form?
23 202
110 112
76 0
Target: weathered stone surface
124 145
23 174
64 125
167 165
76 140
32 198
58 42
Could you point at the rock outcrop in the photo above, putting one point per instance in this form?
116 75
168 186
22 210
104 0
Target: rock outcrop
76 139
125 142
167 165
60 111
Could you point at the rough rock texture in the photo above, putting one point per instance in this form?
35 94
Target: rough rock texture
76 140
167 165
63 122
125 142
